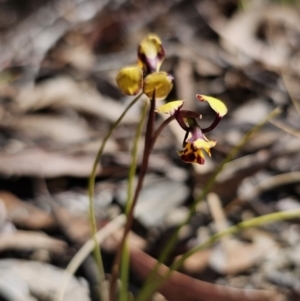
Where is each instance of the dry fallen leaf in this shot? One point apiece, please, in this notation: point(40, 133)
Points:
point(240, 33)
point(237, 257)
point(197, 262)
point(42, 163)
point(21, 213)
point(232, 256)
point(77, 228)
point(43, 280)
point(27, 240)
point(64, 92)
point(54, 128)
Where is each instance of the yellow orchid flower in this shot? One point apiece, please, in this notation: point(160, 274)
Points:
point(145, 75)
point(194, 146)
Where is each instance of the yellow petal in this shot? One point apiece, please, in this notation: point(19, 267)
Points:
point(200, 143)
point(217, 105)
point(170, 107)
point(151, 54)
point(161, 82)
point(130, 80)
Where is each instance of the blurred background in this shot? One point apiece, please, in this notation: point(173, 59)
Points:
point(58, 98)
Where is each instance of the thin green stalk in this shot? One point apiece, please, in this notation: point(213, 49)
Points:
point(132, 170)
point(131, 176)
point(159, 130)
point(251, 223)
point(91, 186)
point(254, 222)
point(150, 284)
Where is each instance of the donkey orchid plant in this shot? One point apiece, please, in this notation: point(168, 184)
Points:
point(145, 78)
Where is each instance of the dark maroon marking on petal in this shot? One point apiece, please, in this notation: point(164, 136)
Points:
point(147, 68)
point(189, 157)
point(200, 160)
point(161, 54)
point(149, 65)
point(193, 148)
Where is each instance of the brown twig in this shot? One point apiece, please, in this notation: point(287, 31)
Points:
point(147, 150)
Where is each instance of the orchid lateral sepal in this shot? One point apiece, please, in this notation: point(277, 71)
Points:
point(173, 108)
point(180, 121)
point(213, 125)
point(180, 115)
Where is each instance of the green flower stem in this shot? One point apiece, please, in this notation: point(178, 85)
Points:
point(251, 223)
point(91, 188)
point(150, 284)
point(159, 130)
point(130, 216)
point(131, 175)
point(254, 222)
